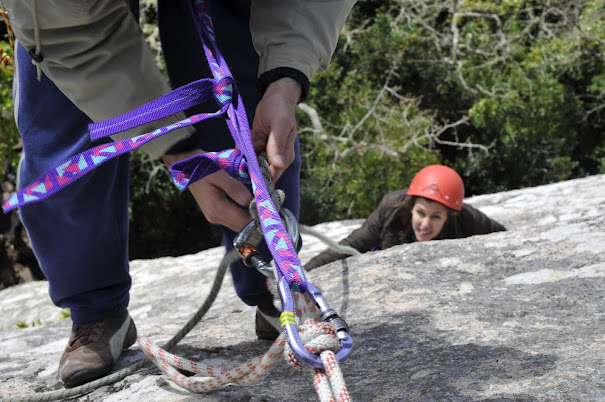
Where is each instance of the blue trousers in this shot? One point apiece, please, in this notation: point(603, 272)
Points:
point(80, 235)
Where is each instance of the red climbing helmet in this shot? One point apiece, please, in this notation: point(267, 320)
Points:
point(439, 183)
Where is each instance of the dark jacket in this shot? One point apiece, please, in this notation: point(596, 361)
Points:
point(390, 225)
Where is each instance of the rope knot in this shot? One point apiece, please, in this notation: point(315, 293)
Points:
point(317, 337)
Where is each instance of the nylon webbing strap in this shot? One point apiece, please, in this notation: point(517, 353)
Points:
point(240, 163)
point(173, 102)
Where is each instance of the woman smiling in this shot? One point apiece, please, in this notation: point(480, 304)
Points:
point(430, 209)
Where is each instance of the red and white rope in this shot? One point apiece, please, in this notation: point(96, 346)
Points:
point(329, 383)
point(318, 337)
point(246, 374)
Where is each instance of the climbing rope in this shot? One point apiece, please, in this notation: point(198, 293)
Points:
point(228, 259)
point(329, 383)
point(319, 344)
point(332, 245)
point(240, 163)
point(317, 336)
point(6, 60)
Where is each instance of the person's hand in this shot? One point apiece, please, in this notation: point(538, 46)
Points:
point(211, 194)
point(274, 126)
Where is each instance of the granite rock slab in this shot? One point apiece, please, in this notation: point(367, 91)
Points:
point(510, 316)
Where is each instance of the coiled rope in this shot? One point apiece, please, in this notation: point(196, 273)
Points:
point(120, 375)
point(317, 336)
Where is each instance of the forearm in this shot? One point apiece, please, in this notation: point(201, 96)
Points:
point(297, 34)
point(476, 222)
point(324, 258)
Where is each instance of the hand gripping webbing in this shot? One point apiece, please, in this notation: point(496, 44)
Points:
point(239, 163)
point(222, 89)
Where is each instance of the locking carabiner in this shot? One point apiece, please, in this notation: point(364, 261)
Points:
point(327, 315)
point(247, 242)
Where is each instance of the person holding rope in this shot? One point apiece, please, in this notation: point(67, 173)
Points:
point(86, 61)
point(431, 208)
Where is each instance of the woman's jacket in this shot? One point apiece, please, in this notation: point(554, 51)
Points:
point(388, 225)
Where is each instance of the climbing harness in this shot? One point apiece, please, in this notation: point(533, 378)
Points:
point(242, 164)
point(6, 60)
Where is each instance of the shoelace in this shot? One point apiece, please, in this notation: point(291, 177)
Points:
point(84, 334)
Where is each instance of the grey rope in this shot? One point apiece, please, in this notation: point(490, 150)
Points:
point(232, 256)
point(340, 248)
point(229, 258)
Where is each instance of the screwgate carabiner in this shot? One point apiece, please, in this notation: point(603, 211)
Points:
point(327, 315)
point(247, 242)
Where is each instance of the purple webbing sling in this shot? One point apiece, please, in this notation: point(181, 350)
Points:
point(240, 163)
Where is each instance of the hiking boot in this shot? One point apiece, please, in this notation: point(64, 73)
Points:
point(94, 348)
point(268, 324)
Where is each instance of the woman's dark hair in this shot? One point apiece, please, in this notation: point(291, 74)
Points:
point(404, 213)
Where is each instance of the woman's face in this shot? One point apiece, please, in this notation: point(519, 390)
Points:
point(428, 218)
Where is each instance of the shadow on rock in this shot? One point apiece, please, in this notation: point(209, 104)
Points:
point(412, 364)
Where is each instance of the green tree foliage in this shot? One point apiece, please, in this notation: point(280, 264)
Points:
point(9, 135)
point(535, 96)
point(509, 93)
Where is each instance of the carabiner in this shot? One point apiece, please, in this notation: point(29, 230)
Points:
point(327, 315)
point(247, 242)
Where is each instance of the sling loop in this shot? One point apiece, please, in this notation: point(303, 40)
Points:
point(223, 89)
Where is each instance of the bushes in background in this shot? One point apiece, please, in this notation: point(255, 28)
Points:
point(510, 93)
